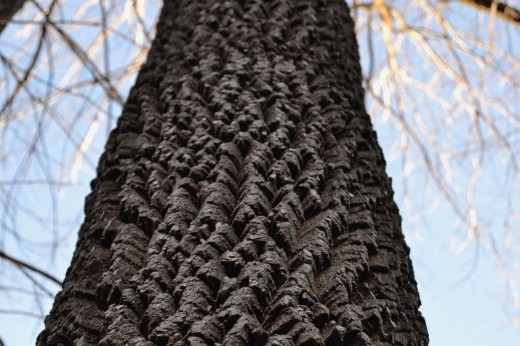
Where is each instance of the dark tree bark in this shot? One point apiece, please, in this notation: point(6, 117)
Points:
point(242, 198)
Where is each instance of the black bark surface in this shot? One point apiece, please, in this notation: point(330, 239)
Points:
point(242, 198)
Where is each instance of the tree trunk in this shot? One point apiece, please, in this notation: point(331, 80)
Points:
point(242, 198)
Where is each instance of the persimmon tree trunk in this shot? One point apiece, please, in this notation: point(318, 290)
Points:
point(242, 198)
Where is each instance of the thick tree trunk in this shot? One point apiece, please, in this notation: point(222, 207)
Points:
point(242, 198)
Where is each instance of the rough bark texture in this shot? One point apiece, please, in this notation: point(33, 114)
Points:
point(243, 197)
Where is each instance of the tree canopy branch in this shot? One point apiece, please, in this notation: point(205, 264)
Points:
point(503, 10)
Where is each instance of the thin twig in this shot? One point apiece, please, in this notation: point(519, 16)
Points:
point(22, 264)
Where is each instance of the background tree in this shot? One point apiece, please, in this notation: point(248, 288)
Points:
point(436, 146)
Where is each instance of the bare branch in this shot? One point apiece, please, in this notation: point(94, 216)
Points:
point(22, 264)
point(503, 10)
point(7, 10)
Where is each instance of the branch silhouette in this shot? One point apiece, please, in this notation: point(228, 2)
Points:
point(24, 265)
point(503, 10)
